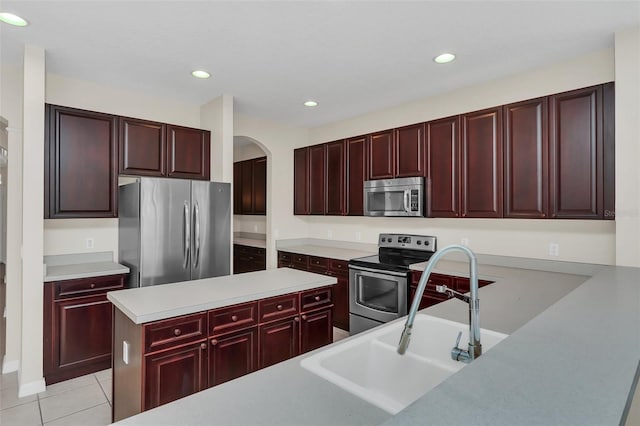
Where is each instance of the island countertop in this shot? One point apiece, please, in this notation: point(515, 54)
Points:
point(159, 302)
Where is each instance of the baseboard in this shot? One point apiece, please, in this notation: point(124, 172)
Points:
point(10, 366)
point(32, 388)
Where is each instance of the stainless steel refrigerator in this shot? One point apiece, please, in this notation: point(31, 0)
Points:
point(174, 230)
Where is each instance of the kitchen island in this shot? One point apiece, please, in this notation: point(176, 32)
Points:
point(570, 359)
point(176, 339)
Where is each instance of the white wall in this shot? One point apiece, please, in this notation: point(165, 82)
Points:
point(64, 236)
point(217, 116)
point(580, 241)
point(277, 141)
point(628, 147)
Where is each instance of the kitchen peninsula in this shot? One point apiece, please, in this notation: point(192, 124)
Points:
point(176, 339)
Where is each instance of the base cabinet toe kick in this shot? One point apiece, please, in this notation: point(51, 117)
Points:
point(158, 362)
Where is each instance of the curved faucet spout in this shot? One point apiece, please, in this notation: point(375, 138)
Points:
point(474, 349)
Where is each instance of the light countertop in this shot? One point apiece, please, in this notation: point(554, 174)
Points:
point(84, 265)
point(159, 302)
point(250, 239)
point(570, 359)
point(332, 249)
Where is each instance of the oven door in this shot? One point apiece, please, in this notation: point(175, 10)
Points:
point(377, 295)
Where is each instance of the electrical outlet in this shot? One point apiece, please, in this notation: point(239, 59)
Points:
point(358, 236)
point(255, 228)
point(554, 249)
point(89, 243)
point(464, 241)
point(330, 234)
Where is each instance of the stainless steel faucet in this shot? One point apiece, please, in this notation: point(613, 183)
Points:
point(474, 348)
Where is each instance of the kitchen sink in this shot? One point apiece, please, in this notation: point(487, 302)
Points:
point(369, 367)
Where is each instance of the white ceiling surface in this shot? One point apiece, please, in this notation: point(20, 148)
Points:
point(352, 57)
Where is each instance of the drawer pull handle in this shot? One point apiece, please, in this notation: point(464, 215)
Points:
point(234, 318)
point(279, 307)
point(203, 346)
point(93, 285)
point(317, 298)
point(177, 332)
point(214, 342)
point(296, 319)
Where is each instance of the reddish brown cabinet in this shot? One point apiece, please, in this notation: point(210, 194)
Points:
point(279, 340)
point(143, 147)
point(357, 172)
point(409, 150)
point(430, 296)
point(381, 155)
point(81, 163)
point(301, 181)
point(576, 154)
point(260, 186)
point(77, 327)
point(250, 186)
point(335, 178)
point(246, 185)
point(188, 152)
point(233, 355)
point(317, 184)
point(443, 166)
point(316, 330)
point(237, 188)
point(526, 152)
point(481, 183)
point(248, 259)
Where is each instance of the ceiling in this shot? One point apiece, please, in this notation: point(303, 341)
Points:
point(352, 57)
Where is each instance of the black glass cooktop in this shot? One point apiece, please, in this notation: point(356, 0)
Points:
point(397, 260)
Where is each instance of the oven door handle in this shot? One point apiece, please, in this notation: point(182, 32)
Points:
point(378, 272)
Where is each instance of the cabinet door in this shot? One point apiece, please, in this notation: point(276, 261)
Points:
point(340, 293)
point(381, 155)
point(260, 185)
point(79, 341)
point(278, 341)
point(357, 173)
point(336, 178)
point(188, 152)
point(301, 181)
point(317, 157)
point(409, 150)
point(82, 163)
point(237, 187)
point(443, 166)
point(316, 330)
point(233, 355)
point(609, 151)
point(142, 147)
point(525, 159)
point(246, 171)
point(174, 373)
point(576, 154)
point(482, 163)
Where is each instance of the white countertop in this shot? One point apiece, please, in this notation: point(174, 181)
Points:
point(570, 359)
point(83, 265)
point(251, 242)
point(340, 253)
point(159, 302)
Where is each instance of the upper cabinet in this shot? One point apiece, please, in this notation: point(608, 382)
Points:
point(188, 153)
point(381, 155)
point(482, 163)
point(443, 166)
point(301, 181)
point(81, 163)
point(335, 177)
point(250, 186)
point(526, 153)
point(317, 173)
point(409, 150)
point(143, 147)
point(356, 173)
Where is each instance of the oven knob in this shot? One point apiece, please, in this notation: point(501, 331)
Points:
point(384, 239)
point(419, 242)
point(426, 243)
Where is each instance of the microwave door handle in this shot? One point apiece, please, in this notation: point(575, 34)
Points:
point(407, 195)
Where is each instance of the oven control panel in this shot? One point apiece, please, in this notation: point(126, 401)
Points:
point(415, 242)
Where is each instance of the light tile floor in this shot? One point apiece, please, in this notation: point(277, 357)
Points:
point(83, 401)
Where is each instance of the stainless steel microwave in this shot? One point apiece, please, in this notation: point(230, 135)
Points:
point(395, 197)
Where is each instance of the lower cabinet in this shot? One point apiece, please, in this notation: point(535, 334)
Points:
point(248, 259)
point(77, 327)
point(176, 357)
point(430, 296)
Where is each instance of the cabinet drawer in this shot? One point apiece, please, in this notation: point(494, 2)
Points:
point(278, 307)
point(173, 332)
point(233, 318)
point(339, 267)
point(87, 286)
point(300, 261)
point(316, 298)
point(318, 264)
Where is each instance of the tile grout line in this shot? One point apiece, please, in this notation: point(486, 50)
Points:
point(102, 389)
point(40, 410)
point(76, 412)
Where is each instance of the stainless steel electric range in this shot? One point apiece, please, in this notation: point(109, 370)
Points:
point(379, 284)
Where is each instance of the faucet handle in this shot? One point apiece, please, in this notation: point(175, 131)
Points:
point(458, 339)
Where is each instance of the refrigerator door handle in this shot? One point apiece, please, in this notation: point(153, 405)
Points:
point(196, 226)
point(186, 233)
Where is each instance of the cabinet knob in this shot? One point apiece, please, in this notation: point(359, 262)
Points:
point(203, 346)
point(279, 307)
point(93, 285)
point(304, 317)
point(214, 342)
point(234, 318)
point(296, 319)
point(177, 332)
point(317, 298)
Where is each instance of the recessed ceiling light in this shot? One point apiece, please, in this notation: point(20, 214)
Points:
point(311, 103)
point(444, 58)
point(200, 74)
point(12, 19)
